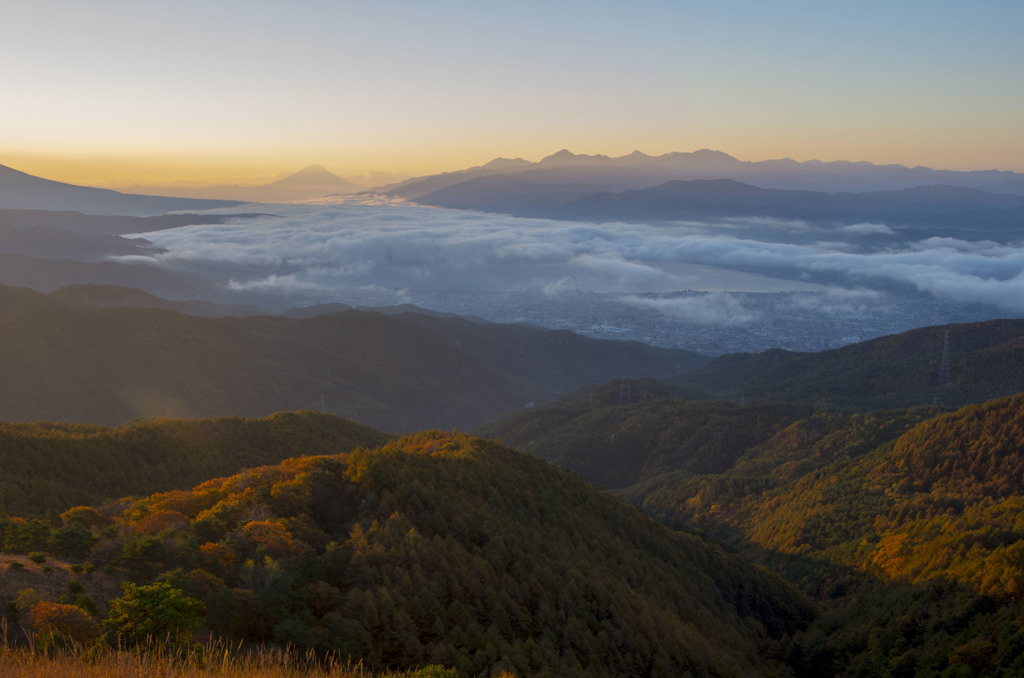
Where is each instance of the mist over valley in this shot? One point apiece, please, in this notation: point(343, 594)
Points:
point(512, 340)
point(296, 358)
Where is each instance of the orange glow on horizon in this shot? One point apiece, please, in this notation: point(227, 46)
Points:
point(126, 170)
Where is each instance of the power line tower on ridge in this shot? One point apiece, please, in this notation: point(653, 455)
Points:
point(625, 397)
point(944, 382)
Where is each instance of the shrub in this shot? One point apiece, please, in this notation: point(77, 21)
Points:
point(59, 625)
point(158, 613)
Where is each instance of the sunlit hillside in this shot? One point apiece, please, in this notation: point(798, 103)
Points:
point(438, 549)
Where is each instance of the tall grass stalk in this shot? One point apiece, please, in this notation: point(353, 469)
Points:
point(225, 662)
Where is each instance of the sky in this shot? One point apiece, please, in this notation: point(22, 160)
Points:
point(116, 92)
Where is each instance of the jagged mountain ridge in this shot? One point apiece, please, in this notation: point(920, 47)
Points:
point(565, 171)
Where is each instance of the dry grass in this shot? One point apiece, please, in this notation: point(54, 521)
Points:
point(217, 661)
point(20, 663)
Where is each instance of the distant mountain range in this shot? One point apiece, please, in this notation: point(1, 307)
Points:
point(711, 185)
point(847, 471)
point(925, 206)
point(21, 191)
point(309, 183)
point(565, 172)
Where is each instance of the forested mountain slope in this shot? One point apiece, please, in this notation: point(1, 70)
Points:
point(613, 443)
point(441, 548)
point(905, 525)
point(51, 467)
point(395, 373)
point(941, 499)
point(983, 361)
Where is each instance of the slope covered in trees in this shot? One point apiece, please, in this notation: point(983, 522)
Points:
point(984, 361)
point(51, 467)
point(905, 525)
point(441, 548)
point(395, 373)
point(615, 443)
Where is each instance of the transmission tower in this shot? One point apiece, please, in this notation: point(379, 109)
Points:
point(945, 380)
point(625, 397)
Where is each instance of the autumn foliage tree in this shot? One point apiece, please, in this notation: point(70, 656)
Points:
point(61, 625)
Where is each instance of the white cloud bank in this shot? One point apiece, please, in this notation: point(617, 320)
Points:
point(316, 249)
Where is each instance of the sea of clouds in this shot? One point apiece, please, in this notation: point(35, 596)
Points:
point(311, 251)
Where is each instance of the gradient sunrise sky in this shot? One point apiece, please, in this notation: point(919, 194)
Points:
point(112, 92)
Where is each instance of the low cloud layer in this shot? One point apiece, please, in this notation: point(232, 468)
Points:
point(716, 308)
point(314, 250)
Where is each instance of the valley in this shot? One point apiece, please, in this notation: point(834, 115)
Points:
point(810, 478)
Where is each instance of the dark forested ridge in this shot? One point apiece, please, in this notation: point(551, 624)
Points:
point(614, 439)
point(51, 467)
point(445, 549)
point(921, 510)
point(983, 361)
point(904, 524)
point(63, 362)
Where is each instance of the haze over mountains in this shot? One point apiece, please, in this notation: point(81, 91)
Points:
point(565, 171)
point(843, 473)
point(309, 183)
point(81, 354)
point(694, 187)
point(678, 264)
point(21, 191)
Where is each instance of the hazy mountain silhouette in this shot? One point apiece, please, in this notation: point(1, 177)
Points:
point(925, 206)
point(84, 237)
point(97, 224)
point(410, 189)
point(109, 364)
point(308, 183)
point(50, 242)
point(21, 191)
point(89, 297)
point(46, 275)
point(557, 193)
point(565, 171)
